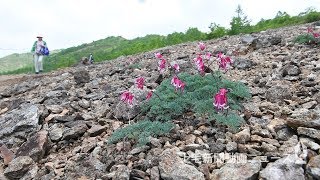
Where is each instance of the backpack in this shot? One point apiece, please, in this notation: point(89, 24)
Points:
point(44, 51)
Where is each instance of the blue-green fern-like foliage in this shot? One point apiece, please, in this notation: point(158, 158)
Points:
point(198, 98)
point(141, 131)
point(307, 39)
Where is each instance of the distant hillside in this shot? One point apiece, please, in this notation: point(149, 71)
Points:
point(100, 49)
point(15, 61)
point(19, 61)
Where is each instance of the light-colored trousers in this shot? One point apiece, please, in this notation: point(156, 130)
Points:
point(38, 66)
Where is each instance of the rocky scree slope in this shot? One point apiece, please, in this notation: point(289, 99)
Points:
point(56, 125)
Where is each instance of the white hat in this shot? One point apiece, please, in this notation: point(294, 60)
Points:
point(39, 36)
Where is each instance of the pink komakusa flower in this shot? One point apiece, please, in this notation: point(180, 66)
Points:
point(158, 55)
point(199, 63)
point(202, 46)
point(140, 82)
point(127, 97)
point(176, 68)
point(310, 30)
point(224, 62)
point(316, 35)
point(162, 65)
point(220, 100)
point(177, 83)
point(208, 55)
point(149, 95)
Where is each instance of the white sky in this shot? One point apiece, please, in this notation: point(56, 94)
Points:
point(67, 23)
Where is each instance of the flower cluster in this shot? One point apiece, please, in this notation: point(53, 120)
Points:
point(224, 61)
point(177, 83)
point(199, 63)
point(220, 101)
point(140, 82)
point(315, 35)
point(162, 64)
point(127, 97)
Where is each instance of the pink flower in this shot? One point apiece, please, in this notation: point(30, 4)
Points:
point(220, 99)
point(208, 55)
point(140, 82)
point(310, 30)
point(177, 83)
point(201, 46)
point(199, 63)
point(158, 55)
point(224, 62)
point(315, 35)
point(149, 95)
point(219, 55)
point(127, 97)
point(176, 68)
point(162, 65)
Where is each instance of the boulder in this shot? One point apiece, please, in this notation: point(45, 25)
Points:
point(235, 171)
point(172, 167)
point(287, 168)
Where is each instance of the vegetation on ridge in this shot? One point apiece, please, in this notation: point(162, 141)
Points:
point(113, 47)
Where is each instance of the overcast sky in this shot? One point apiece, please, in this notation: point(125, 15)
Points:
point(67, 23)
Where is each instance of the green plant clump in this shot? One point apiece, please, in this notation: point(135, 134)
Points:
point(141, 131)
point(306, 39)
point(198, 98)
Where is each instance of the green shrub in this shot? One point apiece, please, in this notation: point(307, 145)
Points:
point(198, 98)
point(141, 131)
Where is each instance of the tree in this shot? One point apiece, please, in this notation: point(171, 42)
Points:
point(216, 31)
point(240, 23)
point(194, 34)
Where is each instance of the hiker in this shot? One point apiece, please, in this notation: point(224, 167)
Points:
point(37, 54)
point(91, 58)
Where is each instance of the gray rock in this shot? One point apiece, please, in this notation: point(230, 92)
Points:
point(216, 147)
point(242, 136)
point(122, 173)
point(286, 168)
point(6, 154)
point(56, 132)
point(172, 167)
point(295, 123)
point(20, 122)
point(231, 146)
point(154, 173)
point(35, 147)
point(290, 70)
point(313, 167)
point(310, 143)
point(96, 130)
point(84, 103)
point(247, 39)
point(310, 132)
point(275, 40)
point(237, 171)
point(278, 93)
point(18, 167)
point(75, 132)
point(81, 76)
point(243, 64)
point(285, 133)
point(138, 150)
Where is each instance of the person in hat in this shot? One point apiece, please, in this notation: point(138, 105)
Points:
point(36, 50)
